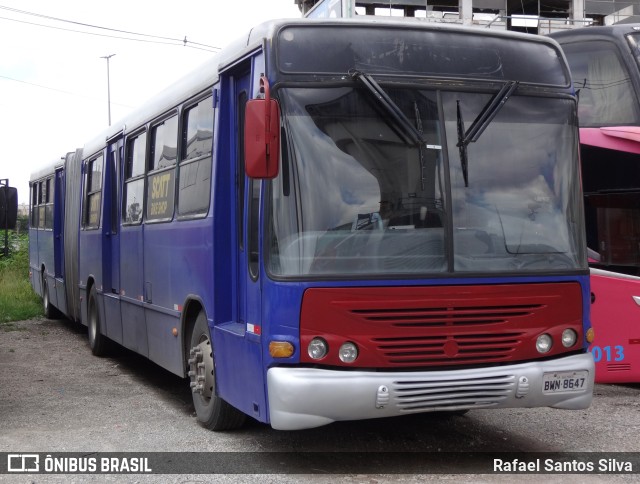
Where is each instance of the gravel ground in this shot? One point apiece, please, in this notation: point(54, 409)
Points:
point(55, 396)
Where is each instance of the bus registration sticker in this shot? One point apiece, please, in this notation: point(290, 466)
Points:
point(564, 381)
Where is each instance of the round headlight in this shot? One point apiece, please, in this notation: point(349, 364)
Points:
point(544, 343)
point(348, 352)
point(569, 338)
point(317, 348)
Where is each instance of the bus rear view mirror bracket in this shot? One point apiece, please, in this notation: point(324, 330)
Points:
point(262, 135)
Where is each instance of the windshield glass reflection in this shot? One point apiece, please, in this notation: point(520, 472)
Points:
point(521, 205)
point(355, 197)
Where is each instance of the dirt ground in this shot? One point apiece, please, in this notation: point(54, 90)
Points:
point(55, 396)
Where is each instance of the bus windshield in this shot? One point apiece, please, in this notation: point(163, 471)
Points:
point(605, 90)
point(357, 196)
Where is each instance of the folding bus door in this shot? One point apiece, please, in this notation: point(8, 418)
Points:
point(239, 369)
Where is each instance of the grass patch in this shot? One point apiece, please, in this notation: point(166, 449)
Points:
point(17, 299)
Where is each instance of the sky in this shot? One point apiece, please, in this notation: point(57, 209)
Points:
point(53, 80)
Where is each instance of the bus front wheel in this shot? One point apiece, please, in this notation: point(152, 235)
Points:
point(97, 341)
point(212, 411)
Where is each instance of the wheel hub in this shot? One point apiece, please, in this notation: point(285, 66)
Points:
point(201, 369)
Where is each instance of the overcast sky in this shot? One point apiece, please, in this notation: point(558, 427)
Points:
point(53, 82)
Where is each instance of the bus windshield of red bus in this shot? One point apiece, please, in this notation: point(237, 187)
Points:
point(357, 196)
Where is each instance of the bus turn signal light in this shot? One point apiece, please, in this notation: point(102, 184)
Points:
point(590, 335)
point(281, 349)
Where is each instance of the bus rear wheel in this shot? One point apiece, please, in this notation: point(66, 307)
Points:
point(97, 341)
point(212, 411)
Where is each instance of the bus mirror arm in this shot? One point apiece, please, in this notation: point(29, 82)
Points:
point(262, 135)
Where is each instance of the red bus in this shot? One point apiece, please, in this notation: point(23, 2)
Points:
point(337, 220)
point(604, 65)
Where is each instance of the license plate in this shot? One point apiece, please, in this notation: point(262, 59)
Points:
point(564, 381)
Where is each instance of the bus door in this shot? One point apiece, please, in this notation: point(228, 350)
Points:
point(134, 327)
point(111, 240)
point(58, 240)
point(58, 222)
point(239, 374)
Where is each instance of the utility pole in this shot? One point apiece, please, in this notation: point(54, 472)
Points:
point(108, 86)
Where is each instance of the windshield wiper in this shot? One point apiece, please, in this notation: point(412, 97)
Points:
point(406, 130)
point(489, 111)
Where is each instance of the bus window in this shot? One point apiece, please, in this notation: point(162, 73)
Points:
point(195, 167)
point(254, 228)
point(164, 144)
point(34, 205)
point(42, 195)
point(48, 209)
point(602, 83)
point(133, 195)
point(93, 193)
point(164, 150)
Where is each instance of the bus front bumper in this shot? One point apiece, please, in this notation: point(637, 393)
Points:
point(301, 398)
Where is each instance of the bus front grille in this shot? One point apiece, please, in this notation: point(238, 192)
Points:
point(419, 396)
point(436, 326)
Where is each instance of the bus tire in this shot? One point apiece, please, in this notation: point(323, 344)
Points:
point(97, 341)
point(212, 411)
point(50, 312)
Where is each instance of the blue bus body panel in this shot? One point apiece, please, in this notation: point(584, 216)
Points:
point(34, 261)
point(177, 265)
point(240, 378)
point(134, 328)
point(46, 262)
point(90, 256)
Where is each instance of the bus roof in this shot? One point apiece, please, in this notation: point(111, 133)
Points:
point(207, 74)
point(47, 169)
point(596, 32)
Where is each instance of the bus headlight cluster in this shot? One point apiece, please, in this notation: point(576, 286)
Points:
point(318, 349)
point(545, 341)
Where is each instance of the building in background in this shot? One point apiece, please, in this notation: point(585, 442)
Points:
point(532, 16)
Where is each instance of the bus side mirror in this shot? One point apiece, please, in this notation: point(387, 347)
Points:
point(262, 136)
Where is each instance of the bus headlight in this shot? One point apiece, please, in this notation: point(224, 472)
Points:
point(544, 343)
point(569, 338)
point(317, 348)
point(348, 352)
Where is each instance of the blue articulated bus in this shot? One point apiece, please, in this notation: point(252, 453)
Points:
point(336, 220)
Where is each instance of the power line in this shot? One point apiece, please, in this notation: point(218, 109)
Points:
point(57, 90)
point(172, 41)
point(101, 35)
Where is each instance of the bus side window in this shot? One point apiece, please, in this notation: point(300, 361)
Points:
point(93, 190)
point(133, 196)
point(254, 228)
point(48, 210)
point(194, 189)
point(34, 206)
point(42, 196)
point(162, 176)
